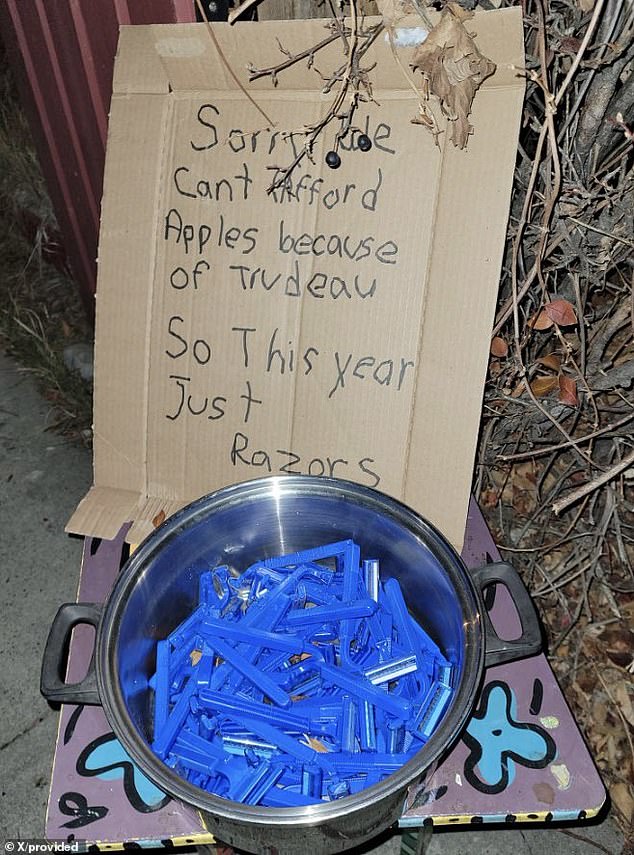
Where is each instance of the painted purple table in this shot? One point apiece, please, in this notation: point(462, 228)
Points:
point(521, 757)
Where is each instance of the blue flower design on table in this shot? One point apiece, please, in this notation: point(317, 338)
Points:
point(106, 758)
point(497, 741)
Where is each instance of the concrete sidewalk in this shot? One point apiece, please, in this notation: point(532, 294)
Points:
point(41, 480)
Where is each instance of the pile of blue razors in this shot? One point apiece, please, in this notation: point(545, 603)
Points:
point(302, 679)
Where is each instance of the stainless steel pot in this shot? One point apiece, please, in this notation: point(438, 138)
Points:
point(158, 588)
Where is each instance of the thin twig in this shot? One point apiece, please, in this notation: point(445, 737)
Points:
point(618, 710)
point(270, 123)
point(351, 79)
point(539, 452)
point(547, 547)
point(240, 10)
point(586, 840)
point(596, 14)
point(590, 228)
point(594, 484)
point(507, 309)
point(256, 73)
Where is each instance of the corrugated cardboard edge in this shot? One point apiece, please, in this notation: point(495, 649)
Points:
point(451, 380)
point(464, 217)
point(106, 508)
point(128, 223)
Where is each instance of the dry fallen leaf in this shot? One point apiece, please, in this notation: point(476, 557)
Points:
point(561, 312)
point(540, 321)
point(195, 656)
point(619, 644)
point(622, 698)
point(159, 519)
point(543, 385)
point(523, 503)
point(568, 391)
point(551, 360)
point(489, 498)
point(393, 11)
point(453, 69)
point(523, 476)
point(315, 744)
point(599, 714)
point(495, 369)
point(569, 45)
point(612, 751)
point(499, 347)
point(621, 796)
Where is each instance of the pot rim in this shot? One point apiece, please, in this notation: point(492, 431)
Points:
point(443, 738)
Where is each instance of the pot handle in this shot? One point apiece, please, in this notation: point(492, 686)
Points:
point(498, 650)
point(52, 686)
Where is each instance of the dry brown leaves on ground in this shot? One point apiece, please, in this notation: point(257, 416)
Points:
point(453, 70)
point(555, 475)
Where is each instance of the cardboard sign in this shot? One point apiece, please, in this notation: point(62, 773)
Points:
point(338, 325)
